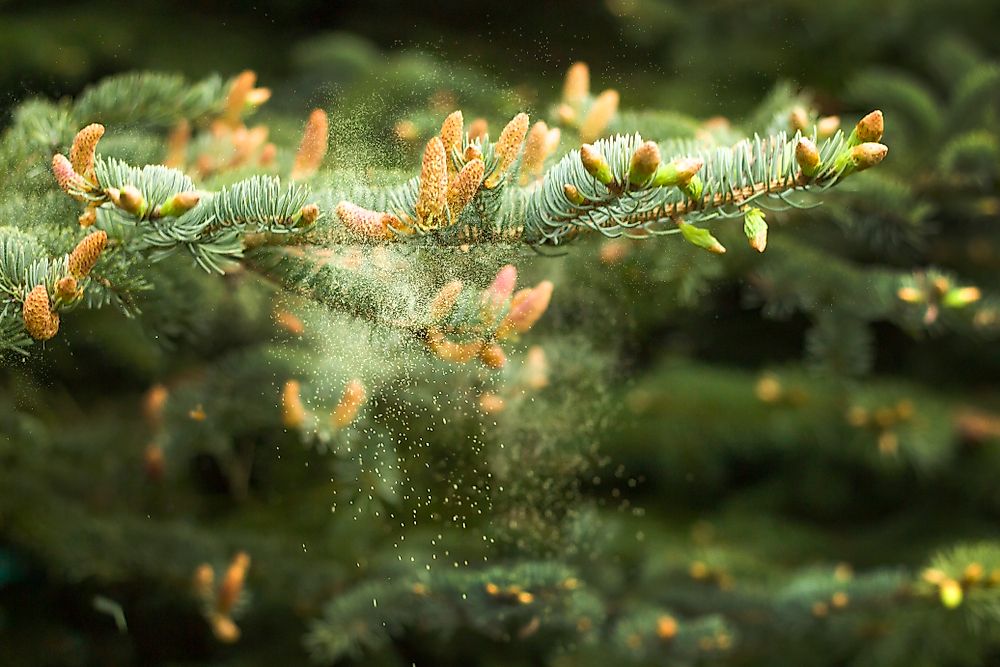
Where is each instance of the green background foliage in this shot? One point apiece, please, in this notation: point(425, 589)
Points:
point(770, 450)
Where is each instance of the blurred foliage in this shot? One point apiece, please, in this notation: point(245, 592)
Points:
point(787, 458)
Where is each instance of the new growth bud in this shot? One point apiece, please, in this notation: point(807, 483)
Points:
point(237, 97)
point(88, 217)
point(827, 126)
point(799, 119)
point(478, 129)
point(130, 200)
point(701, 238)
point(644, 164)
point(960, 297)
point(950, 593)
point(179, 204)
point(450, 351)
point(308, 214)
point(694, 188)
point(232, 583)
point(869, 129)
point(679, 172)
point(595, 164)
point(573, 194)
point(866, 155)
point(473, 152)
point(496, 295)
point(755, 228)
point(807, 155)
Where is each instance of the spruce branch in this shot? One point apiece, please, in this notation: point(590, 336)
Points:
point(470, 190)
point(621, 186)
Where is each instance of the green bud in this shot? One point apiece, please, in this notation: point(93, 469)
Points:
point(960, 297)
point(179, 204)
point(694, 188)
point(573, 194)
point(131, 201)
point(798, 119)
point(807, 155)
point(950, 592)
point(701, 238)
point(755, 228)
point(869, 129)
point(677, 172)
point(595, 164)
point(868, 155)
point(645, 162)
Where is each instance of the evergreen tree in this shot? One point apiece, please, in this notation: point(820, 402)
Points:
point(391, 383)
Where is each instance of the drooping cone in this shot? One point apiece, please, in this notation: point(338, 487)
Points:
point(86, 253)
point(41, 322)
